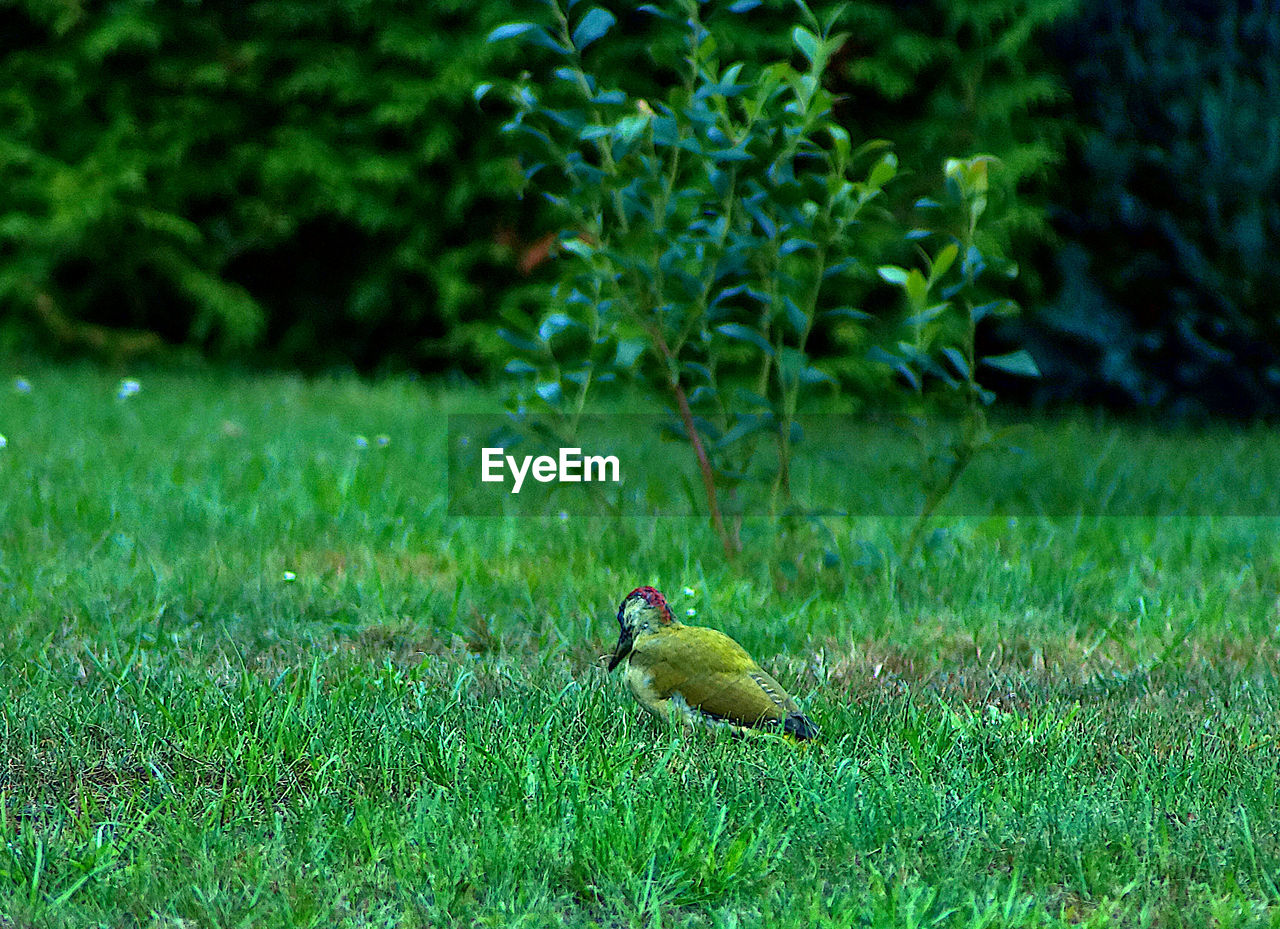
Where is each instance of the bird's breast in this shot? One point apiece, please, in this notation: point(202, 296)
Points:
point(640, 682)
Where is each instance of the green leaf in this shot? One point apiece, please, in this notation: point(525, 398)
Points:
point(736, 154)
point(746, 334)
point(510, 31)
point(791, 361)
point(548, 391)
point(532, 33)
point(577, 246)
point(807, 42)
point(898, 364)
point(700, 371)
point(795, 316)
point(812, 375)
point(536, 34)
point(917, 288)
point(751, 399)
point(847, 312)
point(592, 26)
point(927, 315)
point(743, 427)
point(554, 324)
point(994, 308)
point(654, 10)
point(840, 141)
point(518, 341)
point(630, 128)
point(884, 171)
point(958, 361)
point(893, 274)
point(628, 351)
point(974, 263)
point(1020, 363)
point(943, 261)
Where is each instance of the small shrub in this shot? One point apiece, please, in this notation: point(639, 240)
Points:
point(707, 235)
point(939, 341)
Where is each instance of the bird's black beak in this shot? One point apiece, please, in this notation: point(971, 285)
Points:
point(623, 648)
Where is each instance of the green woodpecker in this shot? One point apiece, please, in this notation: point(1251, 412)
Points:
point(698, 675)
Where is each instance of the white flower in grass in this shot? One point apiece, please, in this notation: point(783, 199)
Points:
point(3, 441)
point(689, 591)
point(22, 385)
point(691, 612)
point(288, 576)
point(361, 442)
point(128, 387)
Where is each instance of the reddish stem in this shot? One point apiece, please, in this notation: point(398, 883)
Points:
point(704, 463)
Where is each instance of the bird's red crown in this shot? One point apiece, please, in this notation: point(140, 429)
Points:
point(653, 597)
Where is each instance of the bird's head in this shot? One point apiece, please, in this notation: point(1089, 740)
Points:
point(642, 610)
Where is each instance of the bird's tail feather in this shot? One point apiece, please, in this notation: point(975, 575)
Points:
point(800, 726)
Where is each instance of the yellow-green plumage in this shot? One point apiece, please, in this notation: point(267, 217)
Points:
point(706, 671)
point(698, 674)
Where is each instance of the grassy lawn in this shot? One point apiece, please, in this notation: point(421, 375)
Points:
point(253, 674)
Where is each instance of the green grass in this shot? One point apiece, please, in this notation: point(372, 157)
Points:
point(253, 675)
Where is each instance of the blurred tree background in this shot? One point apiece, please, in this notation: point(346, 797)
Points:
point(306, 182)
point(313, 185)
point(1169, 209)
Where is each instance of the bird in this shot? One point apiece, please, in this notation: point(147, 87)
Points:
point(699, 675)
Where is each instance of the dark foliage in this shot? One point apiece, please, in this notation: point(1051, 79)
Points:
point(304, 179)
point(1172, 201)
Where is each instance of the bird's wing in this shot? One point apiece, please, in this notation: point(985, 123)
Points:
point(775, 691)
point(713, 674)
point(734, 698)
